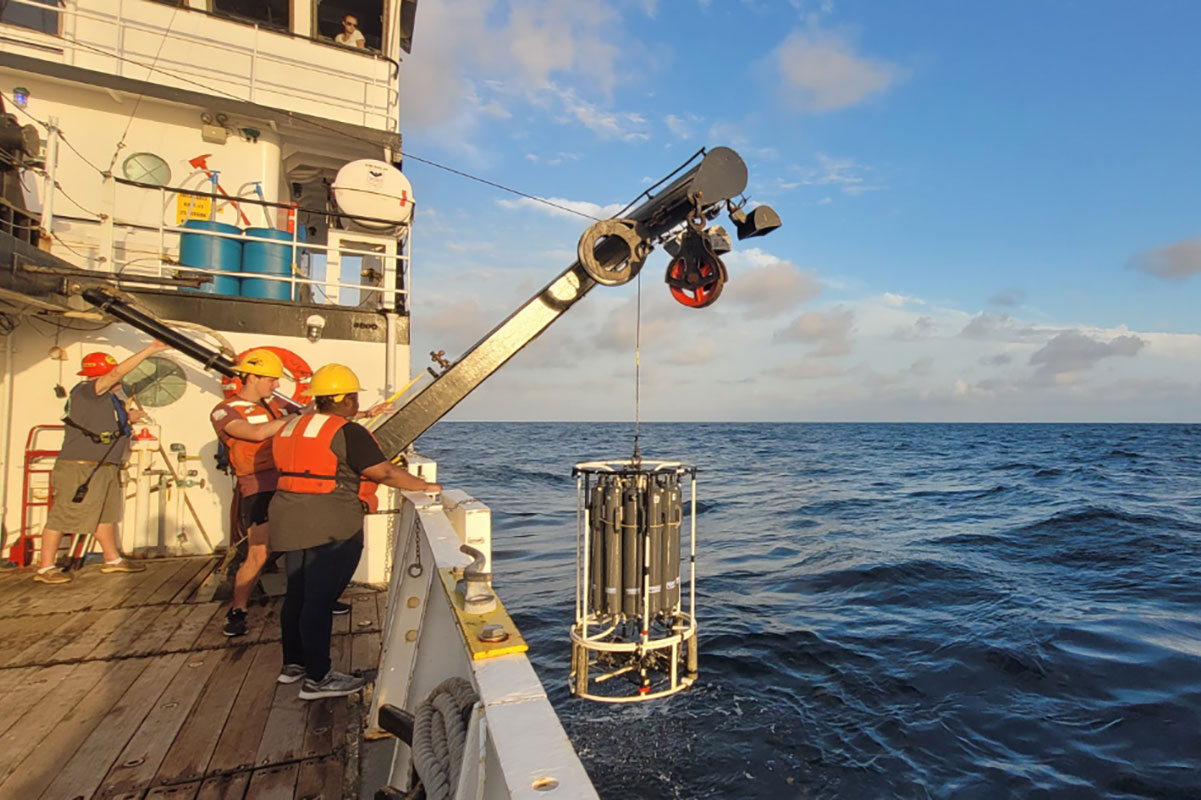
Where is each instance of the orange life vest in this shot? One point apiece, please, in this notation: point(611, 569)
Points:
point(306, 462)
point(246, 457)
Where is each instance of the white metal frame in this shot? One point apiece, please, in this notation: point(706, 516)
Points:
point(683, 623)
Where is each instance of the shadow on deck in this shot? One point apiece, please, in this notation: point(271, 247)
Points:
point(123, 686)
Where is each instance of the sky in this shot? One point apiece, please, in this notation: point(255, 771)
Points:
point(990, 210)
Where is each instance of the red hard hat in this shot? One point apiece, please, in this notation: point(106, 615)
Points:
point(97, 364)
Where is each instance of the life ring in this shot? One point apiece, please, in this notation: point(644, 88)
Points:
point(295, 368)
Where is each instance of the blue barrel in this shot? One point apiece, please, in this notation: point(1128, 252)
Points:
point(200, 251)
point(267, 258)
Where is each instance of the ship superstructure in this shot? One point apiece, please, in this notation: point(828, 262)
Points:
point(232, 170)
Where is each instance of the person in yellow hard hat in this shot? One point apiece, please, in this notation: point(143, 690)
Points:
point(85, 489)
point(245, 424)
point(329, 468)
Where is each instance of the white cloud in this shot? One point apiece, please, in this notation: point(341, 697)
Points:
point(681, 127)
point(766, 286)
point(1008, 297)
point(807, 369)
point(847, 175)
point(822, 72)
point(702, 352)
point(922, 328)
point(826, 329)
point(593, 210)
point(624, 126)
point(523, 48)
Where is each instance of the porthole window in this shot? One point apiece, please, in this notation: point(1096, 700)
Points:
point(156, 382)
point(147, 168)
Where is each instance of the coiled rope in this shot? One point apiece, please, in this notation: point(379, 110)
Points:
point(439, 735)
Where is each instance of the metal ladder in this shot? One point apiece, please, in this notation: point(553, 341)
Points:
point(35, 494)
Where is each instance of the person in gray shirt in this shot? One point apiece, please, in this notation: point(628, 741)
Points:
point(85, 489)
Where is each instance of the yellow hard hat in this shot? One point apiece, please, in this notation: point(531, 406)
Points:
point(261, 361)
point(334, 380)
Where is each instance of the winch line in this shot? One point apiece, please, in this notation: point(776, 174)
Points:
point(138, 102)
point(636, 459)
point(333, 130)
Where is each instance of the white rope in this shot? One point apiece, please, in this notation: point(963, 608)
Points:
point(439, 735)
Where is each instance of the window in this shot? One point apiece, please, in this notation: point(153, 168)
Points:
point(29, 14)
point(349, 21)
point(156, 382)
point(269, 13)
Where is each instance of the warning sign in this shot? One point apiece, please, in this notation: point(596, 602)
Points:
point(189, 207)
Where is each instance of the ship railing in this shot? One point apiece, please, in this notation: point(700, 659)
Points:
point(393, 250)
point(251, 85)
point(515, 744)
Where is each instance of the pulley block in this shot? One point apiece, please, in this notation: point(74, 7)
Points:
point(696, 275)
point(629, 236)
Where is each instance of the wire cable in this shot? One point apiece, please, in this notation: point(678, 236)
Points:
point(637, 457)
point(138, 102)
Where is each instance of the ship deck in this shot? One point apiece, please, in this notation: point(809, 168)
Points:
point(123, 686)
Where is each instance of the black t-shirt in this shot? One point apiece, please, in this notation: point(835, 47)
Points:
point(362, 451)
point(300, 521)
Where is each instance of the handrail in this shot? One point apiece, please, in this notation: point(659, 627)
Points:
point(255, 201)
point(118, 20)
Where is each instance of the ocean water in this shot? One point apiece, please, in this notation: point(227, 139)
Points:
point(886, 610)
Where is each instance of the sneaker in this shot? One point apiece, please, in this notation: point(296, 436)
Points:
point(334, 684)
point(54, 575)
point(341, 608)
point(290, 673)
point(235, 622)
point(124, 565)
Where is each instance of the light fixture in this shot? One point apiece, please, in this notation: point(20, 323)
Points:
point(761, 221)
point(314, 325)
point(20, 96)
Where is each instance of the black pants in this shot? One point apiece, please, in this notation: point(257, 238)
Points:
point(316, 577)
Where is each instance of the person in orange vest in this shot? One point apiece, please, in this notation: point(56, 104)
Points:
point(329, 468)
point(245, 424)
point(85, 487)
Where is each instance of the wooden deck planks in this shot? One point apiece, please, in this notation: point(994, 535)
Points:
point(47, 648)
point(239, 742)
point(138, 762)
point(187, 592)
point(196, 617)
point(137, 694)
point(79, 776)
point(326, 720)
point(120, 641)
point(189, 755)
point(283, 735)
point(87, 642)
point(158, 572)
point(27, 634)
point(320, 778)
point(273, 783)
point(61, 695)
point(364, 613)
point(171, 587)
point(28, 688)
point(224, 787)
point(88, 702)
point(364, 653)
